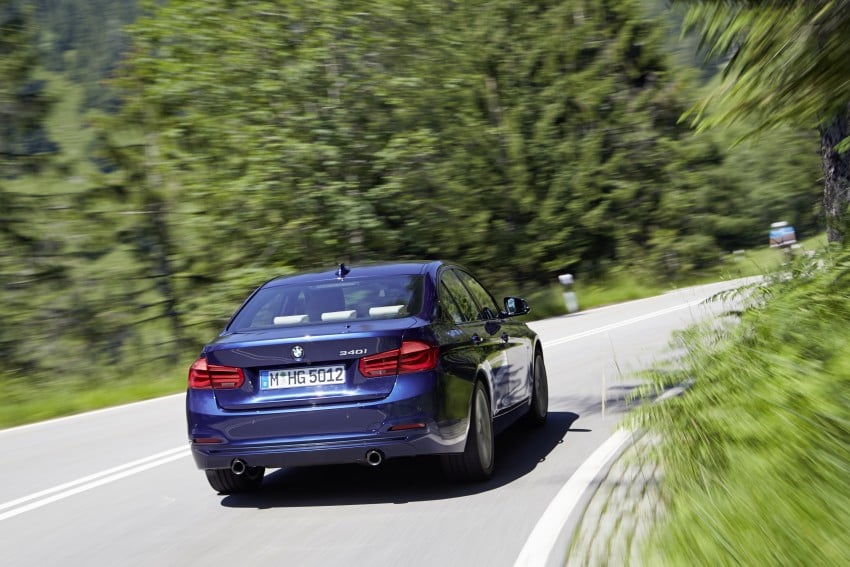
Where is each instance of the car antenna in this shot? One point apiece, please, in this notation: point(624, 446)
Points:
point(342, 271)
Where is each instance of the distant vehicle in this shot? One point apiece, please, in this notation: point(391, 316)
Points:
point(364, 364)
point(782, 234)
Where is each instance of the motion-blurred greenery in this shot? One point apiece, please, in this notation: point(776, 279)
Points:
point(755, 455)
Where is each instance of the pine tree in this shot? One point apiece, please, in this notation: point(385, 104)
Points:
point(26, 261)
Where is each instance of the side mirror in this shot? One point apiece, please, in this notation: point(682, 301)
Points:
point(515, 306)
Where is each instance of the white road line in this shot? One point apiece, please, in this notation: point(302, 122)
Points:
point(545, 535)
point(62, 491)
point(617, 325)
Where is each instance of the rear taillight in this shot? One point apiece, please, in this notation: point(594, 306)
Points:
point(412, 356)
point(204, 376)
point(382, 364)
point(417, 357)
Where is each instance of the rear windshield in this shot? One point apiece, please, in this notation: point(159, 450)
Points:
point(355, 299)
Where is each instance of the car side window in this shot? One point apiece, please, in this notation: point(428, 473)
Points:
point(456, 300)
point(487, 308)
point(450, 308)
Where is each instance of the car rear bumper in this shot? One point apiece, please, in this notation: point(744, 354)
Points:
point(327, 452)
point(413, 420)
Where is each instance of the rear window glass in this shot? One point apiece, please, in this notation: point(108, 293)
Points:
point(355, 299)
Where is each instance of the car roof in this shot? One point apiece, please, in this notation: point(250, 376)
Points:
point(406, 268)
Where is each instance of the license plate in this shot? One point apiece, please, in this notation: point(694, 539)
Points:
point(301, 377)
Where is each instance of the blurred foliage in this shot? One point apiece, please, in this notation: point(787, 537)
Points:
point(23, 100)
point(25, 263)
point(559, 153)
point(252, 139)
point(788, 63)
point(85, 39)
point(755, 454)
point(787, 60)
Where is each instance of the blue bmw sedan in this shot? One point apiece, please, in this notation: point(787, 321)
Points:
point(363, 364)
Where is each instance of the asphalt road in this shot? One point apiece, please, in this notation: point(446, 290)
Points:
point(118, 487)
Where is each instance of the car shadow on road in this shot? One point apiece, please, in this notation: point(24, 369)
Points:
point(518, 451)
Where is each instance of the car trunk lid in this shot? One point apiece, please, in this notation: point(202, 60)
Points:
point(311, 365)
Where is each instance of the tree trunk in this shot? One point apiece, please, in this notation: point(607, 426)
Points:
point(161, 252)
point(836, 175)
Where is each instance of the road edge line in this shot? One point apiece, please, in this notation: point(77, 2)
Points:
point(549, 528)
point(546, 532)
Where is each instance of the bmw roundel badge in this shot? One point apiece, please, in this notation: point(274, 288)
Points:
point(297, 352)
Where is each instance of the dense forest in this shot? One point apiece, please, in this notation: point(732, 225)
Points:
point(160, 159)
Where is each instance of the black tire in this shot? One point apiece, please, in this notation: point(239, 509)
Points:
point(224, 481)
point(539, 410)
point(477, 461)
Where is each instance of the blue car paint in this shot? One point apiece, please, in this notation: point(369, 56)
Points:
point(299, 428)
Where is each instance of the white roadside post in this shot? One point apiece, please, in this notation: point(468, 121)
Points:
point(570, 299)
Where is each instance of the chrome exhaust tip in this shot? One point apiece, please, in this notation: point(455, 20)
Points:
point(374, 457)
point(238, 467)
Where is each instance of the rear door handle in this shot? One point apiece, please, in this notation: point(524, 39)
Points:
point(476, 340)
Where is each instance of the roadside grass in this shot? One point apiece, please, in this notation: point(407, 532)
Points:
point(23, 402)
point(755, 455)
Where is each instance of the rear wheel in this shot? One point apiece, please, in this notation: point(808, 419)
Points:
point(539, 409)
point(226, 481)
point(477, 460)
